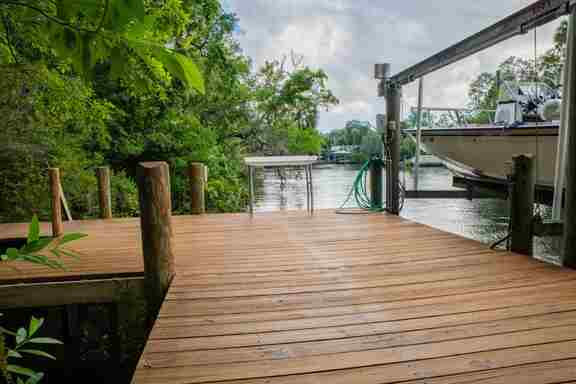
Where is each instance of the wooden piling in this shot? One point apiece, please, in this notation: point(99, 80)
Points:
point(393, 99)
point(56, 205)
point(104, 197)
point(197, 180)
point(156, 227)
point(376, 183)
point(569, 240)
point(522, 204)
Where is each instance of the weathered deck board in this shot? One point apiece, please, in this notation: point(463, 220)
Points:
point(286, 298)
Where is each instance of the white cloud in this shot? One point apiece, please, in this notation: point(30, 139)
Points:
point(346, 38)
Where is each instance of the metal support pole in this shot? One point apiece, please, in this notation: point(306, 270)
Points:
point(560, 170)
point(569, 246)
point(251, 188)
point(393, 97)
point(418, 132)
point(522, 204)
point(311, 189)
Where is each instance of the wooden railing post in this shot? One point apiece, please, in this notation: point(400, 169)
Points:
point(197, 180)
point(522, 204)
point(156, 227)
point(56, 205)
point(104, 197)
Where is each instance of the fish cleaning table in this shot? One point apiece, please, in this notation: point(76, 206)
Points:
point(305, 162)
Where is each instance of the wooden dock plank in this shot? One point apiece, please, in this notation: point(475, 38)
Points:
point(286, 298)
point(292, 299)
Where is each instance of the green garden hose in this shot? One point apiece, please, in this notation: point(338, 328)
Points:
point(359, 190)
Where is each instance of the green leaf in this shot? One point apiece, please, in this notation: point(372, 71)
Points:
point(21, 335)
point(36, 245)
point(193, 76)
point(35, 324)
point(33, 230)
point(21, 370)
point(4, 330)
point(56, 252)
point(71, 237)
point(38, 353)
point(117, 61)
point(44, 340)
point(69, 253)
point(12, 254)
point(12, 353)
point(180, 67)
point(122, 12)
point(36, 379)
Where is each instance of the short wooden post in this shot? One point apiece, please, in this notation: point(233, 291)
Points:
point(376, 182)
point(156, 226)
point(197, 179)
point(56, 198)
point(522, 204)
point(104, 198)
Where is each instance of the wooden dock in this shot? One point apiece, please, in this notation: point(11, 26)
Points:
point(285, 298)
point(341, 299)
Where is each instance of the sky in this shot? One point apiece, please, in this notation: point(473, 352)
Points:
point(346, 38)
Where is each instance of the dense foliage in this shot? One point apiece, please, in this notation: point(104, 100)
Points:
point(364, 140)
point(87, 83)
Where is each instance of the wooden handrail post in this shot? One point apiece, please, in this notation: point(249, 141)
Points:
point(156, 227)
point(56, 205)
point(197, 179)
point(104, 197)
point(522, 204)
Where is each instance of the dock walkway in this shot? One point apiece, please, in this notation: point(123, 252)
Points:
point(342, 299)
point(285, 298)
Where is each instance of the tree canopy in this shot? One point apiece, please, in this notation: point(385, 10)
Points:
point(87, 83)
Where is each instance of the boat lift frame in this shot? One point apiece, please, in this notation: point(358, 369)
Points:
point(535, 15)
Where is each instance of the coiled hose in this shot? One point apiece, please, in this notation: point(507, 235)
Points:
point(359, 190)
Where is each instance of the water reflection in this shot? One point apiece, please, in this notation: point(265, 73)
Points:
point(485, 220)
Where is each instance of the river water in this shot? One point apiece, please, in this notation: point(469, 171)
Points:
point(485, 220)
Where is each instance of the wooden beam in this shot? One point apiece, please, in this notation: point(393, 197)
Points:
point(63, 293)
point(197, 180)
point(392, 140)
point(156, 227)
point(522, 204)
point(56, 197)
point(104, 196)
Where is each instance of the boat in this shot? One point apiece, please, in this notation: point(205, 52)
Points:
point(527, 120)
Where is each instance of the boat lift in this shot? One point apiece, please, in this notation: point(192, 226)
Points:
point(535, 15)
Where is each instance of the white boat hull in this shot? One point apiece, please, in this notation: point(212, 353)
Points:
point(487, 152)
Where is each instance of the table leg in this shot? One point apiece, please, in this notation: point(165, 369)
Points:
point(311, 189)
point(251, 188)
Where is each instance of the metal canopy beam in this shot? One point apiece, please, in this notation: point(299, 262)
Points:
point(535, 15)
